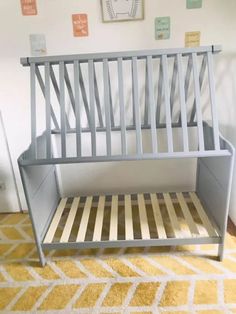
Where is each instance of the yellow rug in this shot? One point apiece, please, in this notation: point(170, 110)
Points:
point(140, 280)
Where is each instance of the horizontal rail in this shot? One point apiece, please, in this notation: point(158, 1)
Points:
point(132, 243)
point(112, 56)
point(151, 156)
point(128, 128)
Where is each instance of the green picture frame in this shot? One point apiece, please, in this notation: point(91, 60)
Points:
point(193, 4)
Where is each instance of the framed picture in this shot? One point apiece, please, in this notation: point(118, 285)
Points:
point(122, 10)
point(80, 25)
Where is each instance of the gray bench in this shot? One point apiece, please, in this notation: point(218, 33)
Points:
point(153, 105)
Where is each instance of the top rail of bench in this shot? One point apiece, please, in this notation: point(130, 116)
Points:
point(121, 54)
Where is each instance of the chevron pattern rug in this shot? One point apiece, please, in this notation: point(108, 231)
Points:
point(136, 280)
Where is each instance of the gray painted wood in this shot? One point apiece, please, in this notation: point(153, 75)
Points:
point(128, 128)
point(198, 103)
point(63, 110)
point(110, 98)
point(107, 105)
point(159, 95)
point(147, 96)
point(144, 156)
point(132, 243)
point(167, 104)
point(84, 96)
point(201, 77)
point(48, 110)
point(139, 146)
point(126, 55)
point(42, 200)
point(173, 85)
point(42, 87)
point(215, 122)
point(97, 98)
point(182, 103)
point(163, 104)
point(122, 107)
point(151, 103)
point(77, 108)
point(57, 92)
point(215, 154)
point(214, 184)
point(33, 112)
point(69, 88)
point(92, 107)
point(133, 97)
point(188, 74)
point(187, 80)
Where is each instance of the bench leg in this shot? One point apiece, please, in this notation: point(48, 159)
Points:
point(42, 258)
point(221, 251)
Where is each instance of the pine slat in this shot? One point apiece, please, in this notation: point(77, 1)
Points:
point(114, 219)
point(99, 219)
point(187, 215)
point(203, 216)
point(129, 233)
point(108, 203)
point(143, 217)
point(55, 221)
point(193, 229)
point(172, 215)
point(157, 216)
point(84, 219)
point(70, 220)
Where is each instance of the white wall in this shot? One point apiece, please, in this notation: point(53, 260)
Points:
point(216, 21)
point(8, 189)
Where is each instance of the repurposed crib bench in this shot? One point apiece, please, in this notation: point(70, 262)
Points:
point(154, 104)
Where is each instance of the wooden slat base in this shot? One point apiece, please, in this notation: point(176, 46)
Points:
point(130, 217)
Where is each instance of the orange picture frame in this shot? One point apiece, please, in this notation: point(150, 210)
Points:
point(80, 25)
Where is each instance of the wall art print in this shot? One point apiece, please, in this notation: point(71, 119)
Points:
point(122, 10)
point(80, 25)
point(29, 7)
